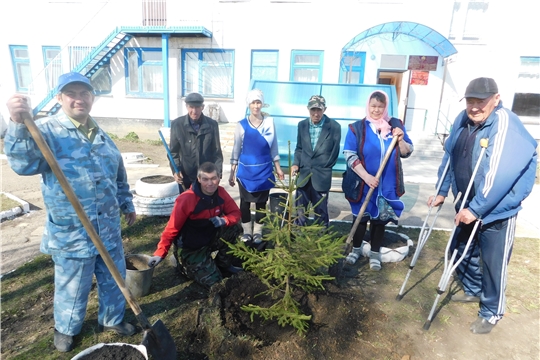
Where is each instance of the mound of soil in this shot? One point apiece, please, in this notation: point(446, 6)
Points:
point(157, 179)
point(343, 325)
point(338, 315)
point(114, 352)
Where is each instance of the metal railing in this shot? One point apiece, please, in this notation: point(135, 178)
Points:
point(143, 13)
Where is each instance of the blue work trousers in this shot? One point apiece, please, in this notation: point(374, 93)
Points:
point(72, 285)
point(484, 269)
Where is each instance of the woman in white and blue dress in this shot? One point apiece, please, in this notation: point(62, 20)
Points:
point(253, 158)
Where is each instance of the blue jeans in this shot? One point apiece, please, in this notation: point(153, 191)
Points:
point(72, 285)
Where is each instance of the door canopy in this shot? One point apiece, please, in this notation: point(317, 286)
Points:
point(419, 31)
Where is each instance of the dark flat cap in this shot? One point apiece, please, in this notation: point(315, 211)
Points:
point(194, 99)
point(481, 88)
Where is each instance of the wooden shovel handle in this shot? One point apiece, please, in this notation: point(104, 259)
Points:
point(68, 190)
point(370, 192)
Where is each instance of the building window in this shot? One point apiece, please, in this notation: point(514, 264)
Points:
point(527, 95)
point(264, 64)
point(306, 66)
point(352, 67)
point(102, 81)
point(21, 66)
point(53, 65)
point(468, 20)
point(144, 74)
point(208, 72)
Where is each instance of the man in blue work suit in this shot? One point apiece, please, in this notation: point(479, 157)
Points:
point(505, 177)
point(94, 168)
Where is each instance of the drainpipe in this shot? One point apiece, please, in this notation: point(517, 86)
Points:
point(445, 64)
point(166, 93)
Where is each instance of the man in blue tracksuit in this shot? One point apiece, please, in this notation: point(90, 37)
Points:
point(505, 177)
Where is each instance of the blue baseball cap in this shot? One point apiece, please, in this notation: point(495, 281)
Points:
point(70, 78)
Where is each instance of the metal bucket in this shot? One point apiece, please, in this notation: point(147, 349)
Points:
point(277, 202)
point(138, 274)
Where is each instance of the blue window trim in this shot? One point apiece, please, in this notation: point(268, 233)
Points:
point(319, 53)
point(359, 69)
point(50, 77)
point(15, 61)
point(200, 86)
point(140, 64)
point(46, 60)
point(264, 51)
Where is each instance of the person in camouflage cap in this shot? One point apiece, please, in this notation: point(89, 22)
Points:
point(94, 168)
point(194, 228)
point(316, 153)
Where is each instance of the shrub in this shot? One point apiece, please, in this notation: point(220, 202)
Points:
point(133, 137)
point(295, 257)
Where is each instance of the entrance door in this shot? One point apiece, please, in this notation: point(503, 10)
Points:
point(401, 81)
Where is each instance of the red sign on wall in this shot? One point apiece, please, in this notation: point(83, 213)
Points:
point(419, 77)
point(425, 63)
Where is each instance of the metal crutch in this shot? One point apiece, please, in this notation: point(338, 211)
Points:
point(448, 270)
point(424, 234)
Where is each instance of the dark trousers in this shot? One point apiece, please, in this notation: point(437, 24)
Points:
point(484, 269)
point(376, 234)
point(307, 194)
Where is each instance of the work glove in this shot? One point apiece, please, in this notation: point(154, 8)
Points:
point(154, 261)
point(218, 221)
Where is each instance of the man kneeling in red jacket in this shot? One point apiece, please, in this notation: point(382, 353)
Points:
point(194, 226)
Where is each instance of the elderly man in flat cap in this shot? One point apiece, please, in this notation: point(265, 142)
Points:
point(505, 177)
point(194, 141)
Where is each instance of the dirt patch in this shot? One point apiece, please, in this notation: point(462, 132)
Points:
point(341, 322)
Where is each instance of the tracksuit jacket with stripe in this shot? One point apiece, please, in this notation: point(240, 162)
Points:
point(507, 172)
point(505, 177)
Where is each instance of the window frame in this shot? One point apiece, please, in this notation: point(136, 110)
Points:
point(276, 66)
point(526, 102)
point(17, 60)
point(106, 67)
point(462, 18)
point(51, 78)
point(199, 88)
point(355, 68)
point(140, 65)
point(319, 53)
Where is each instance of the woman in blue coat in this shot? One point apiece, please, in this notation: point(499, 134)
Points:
point(366, 143)
point(253, 158)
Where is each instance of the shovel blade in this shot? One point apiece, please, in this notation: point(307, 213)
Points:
point(159, 342)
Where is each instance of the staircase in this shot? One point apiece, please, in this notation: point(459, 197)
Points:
point(95, 60)
point(424, 162)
